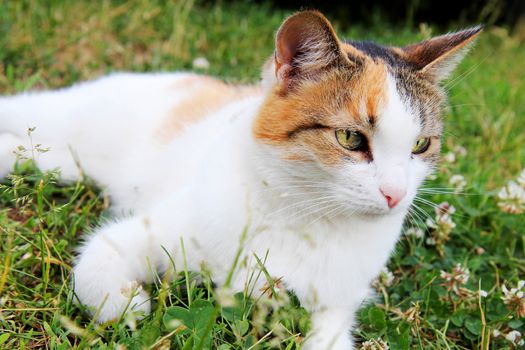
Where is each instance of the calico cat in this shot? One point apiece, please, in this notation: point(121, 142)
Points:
point(317, 165)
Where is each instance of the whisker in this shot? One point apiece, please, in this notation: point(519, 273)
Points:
point(306, 211)
point(298, 204)
point(312, 203)
point(448, 86)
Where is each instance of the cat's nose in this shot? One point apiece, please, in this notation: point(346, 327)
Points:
point(393, 194)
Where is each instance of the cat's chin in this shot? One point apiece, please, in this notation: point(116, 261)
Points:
point(377, 212)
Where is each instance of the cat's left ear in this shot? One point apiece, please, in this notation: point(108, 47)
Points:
point(305, 46)
point(437, 57)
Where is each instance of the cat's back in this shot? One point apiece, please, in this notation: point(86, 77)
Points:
point(128, 131)
point(199, 97)
point(183, 117)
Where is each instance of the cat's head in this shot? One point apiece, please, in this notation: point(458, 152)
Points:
point(354, 125)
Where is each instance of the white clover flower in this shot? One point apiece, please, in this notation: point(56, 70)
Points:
point(201, 63)
point(442, 225)
point(514, 298)
point(511, 198)
point(460, 150)
point(445, 208)
point(225, 297)
point(385, 278)
point(415, 231)
point(456, 278)
point(450, 157)
point(521, 179)
point(463, 274)
point(480, 250)
point(458, 182)
point(131, 289)
point(430, 241)
point(430, 223)
point(375, 344)
point(515, 338)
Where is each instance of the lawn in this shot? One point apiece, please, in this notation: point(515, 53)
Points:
point(453, 281)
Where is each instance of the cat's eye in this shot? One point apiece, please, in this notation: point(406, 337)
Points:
point(351, 140)
point(421, 145)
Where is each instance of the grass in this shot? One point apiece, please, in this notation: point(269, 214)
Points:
point(425, 299)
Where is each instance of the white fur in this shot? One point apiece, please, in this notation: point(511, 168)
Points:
point(327, 232)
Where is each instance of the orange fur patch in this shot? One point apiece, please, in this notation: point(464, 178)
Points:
point(372, 88)
point(205, 95)
point(316, 108)
point(353, 52)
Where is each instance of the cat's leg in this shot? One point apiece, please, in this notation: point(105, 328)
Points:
point(90, 128)
point(111, 267)
point(33, 122)
point(330, 330)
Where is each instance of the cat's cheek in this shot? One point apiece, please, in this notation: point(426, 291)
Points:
point(419, 170)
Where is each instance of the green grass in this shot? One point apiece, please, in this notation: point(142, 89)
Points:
point(41, 222)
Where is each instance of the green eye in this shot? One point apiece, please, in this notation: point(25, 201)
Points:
point(351, 140)
point(421, 145)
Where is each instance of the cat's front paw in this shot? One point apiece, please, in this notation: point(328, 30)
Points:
point(107, 282)
point(321, 342)
point(109, 302)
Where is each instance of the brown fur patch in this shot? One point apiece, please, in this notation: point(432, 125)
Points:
point(431, 55)
point(205, 95)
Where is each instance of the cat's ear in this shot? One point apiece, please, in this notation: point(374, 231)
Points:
point(437, 57)
point(305, 45)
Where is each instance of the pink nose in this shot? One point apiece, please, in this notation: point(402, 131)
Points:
point(393, 195)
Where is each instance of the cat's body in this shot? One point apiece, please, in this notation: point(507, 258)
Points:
point(201, 162)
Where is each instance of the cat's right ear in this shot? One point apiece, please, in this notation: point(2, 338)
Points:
point(305, 46)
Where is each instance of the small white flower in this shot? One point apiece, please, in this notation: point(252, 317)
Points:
point(131, 289)
point(521, 179)
point(430, 241)
point(480, 250)
point(483, 293)
point(460, 150)
point(458, 182)
point(457, 277)
point(450, 157)
point(375, 344)
point(225, 297)
point(496, 333)
point(385, 278)
point(415, 231)
point(512, 198)
point(514, 298)
point(445, 208)
point(200, 63)
point(430, 223)
point(515, 338)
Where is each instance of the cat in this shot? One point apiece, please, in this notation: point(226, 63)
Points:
point(316, 166)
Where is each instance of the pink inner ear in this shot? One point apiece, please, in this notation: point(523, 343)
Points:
point(287, 45)
point(310, 35)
